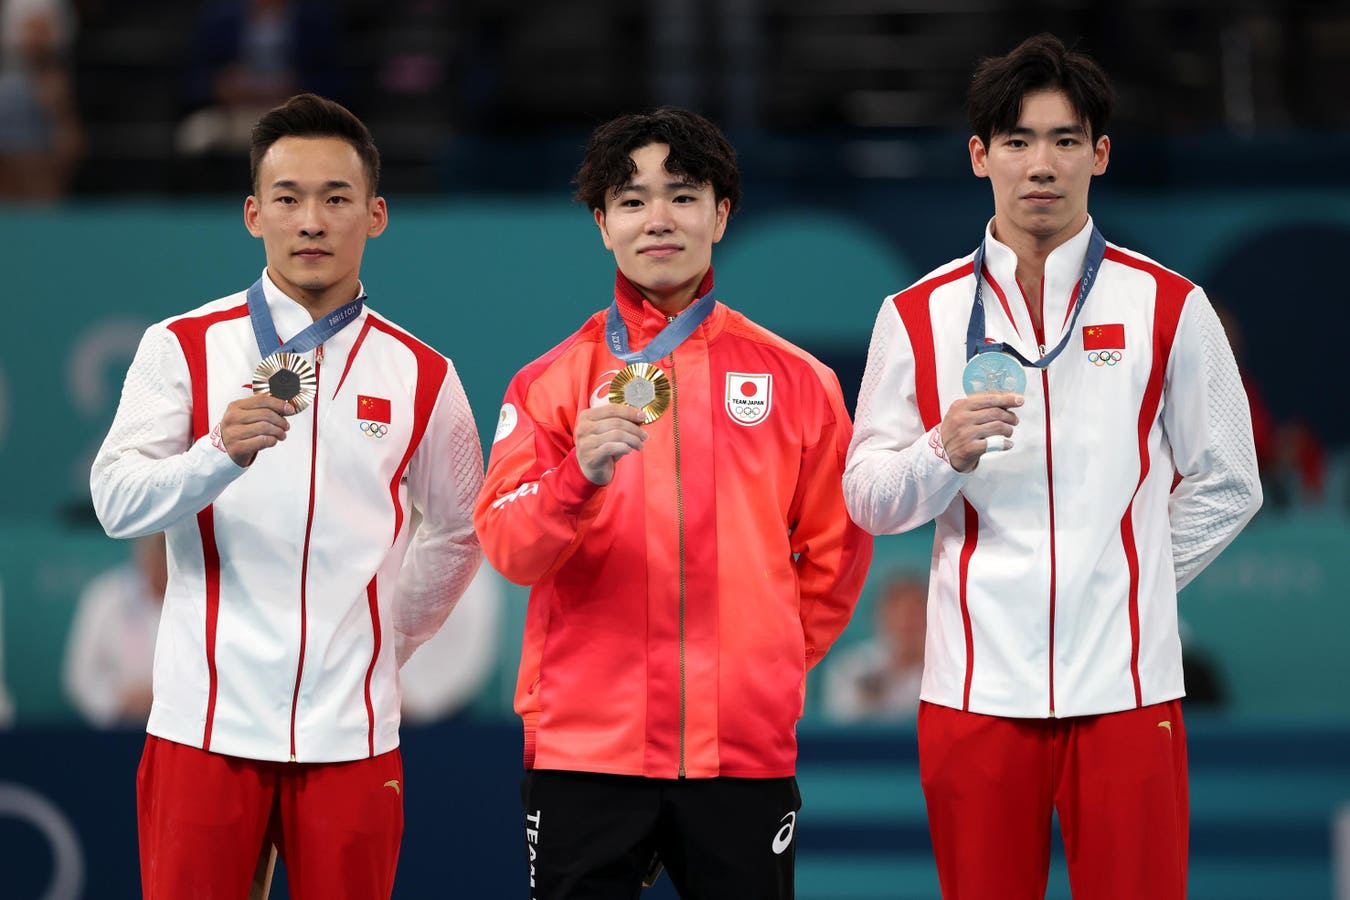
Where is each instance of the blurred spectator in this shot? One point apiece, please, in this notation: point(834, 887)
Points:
point(110, 653)
point(879, 679)
point(1289, 455)
point(41, 137)
point(446, 673)
point(1200, 671)
point(6, 704)
point(249, 56)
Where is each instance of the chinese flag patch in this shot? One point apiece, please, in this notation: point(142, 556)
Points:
point(1104, 337)
point(372, 409)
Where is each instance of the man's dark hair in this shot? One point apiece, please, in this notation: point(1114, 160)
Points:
point(698, 152)
point(312, 116)
point(1040, 63)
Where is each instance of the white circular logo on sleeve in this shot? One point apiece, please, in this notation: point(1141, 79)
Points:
point(506, 422)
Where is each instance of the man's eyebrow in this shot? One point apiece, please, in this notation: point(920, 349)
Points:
point(1023, 131)
point(287, 184)
point(681, 185)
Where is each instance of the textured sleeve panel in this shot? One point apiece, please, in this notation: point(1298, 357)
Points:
point(897, 476)
point(445, 477)
point(1209, 425)
point(148, 473)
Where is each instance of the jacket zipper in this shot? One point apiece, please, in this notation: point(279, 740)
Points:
point(1050, 493)
point(304, 560)
point(679, 509)
point(1050, 487)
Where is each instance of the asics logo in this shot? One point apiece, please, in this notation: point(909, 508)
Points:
point(784, 835)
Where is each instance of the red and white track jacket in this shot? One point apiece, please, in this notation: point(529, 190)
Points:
point(675, 611)
point(1056, 563)
point(297, 586)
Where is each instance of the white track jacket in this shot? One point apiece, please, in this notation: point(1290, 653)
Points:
point(298, 585)
point(1056, 564)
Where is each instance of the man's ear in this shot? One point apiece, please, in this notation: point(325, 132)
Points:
point(1101, 153)
point(979, 157)
point(251, 215)
point(604, 231)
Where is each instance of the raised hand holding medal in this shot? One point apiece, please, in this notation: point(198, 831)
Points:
point(638, 394)
point(983, 422)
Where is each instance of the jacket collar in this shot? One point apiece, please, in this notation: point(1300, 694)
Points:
point(645, 321)
point(1063, 268)
point(632, 302)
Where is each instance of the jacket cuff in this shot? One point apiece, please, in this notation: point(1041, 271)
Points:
point(572, 488)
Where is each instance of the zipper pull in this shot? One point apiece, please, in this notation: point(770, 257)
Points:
point(318, 355)
point(1042, 346)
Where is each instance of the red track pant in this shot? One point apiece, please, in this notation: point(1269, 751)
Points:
point(1118, 782)
point(204, 817)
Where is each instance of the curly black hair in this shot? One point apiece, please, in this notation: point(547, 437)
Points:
point(698, 152)
point(1040, 63)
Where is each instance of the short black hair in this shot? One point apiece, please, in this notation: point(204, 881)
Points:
point(699, 152)
point(312, 116)
point(1040, 63)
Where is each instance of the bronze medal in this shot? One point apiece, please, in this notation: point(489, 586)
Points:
point(286, 376)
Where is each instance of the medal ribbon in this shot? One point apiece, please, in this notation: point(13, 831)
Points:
point(975, 330)
point(670, 337)
point(318, 331)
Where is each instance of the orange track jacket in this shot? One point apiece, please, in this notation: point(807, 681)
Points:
point(675, 611)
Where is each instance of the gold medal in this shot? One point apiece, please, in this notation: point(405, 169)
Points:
point(286, 376)
point(644, 386)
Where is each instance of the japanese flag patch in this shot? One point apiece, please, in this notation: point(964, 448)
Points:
point(749, 397)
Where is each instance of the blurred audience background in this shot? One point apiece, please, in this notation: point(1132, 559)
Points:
point(878, 679)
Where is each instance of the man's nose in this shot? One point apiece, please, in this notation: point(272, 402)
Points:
point(659, 219)
point(311, 219)
point(1043, 162)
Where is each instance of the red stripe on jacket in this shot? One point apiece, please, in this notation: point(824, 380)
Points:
point(432, 369)
point(968, 550)
point(912, 304)
point(1172, 290)
point(191, 334)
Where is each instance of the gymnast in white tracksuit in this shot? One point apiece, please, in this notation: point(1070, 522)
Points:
point(1068, 512)
point(317, 532)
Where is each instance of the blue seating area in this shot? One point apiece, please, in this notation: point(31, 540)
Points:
point(1263, 799)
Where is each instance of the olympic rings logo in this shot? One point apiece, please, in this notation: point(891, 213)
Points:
point(374, 429)
point(1104, 357)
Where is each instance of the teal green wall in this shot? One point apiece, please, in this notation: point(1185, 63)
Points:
point(494, 284)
